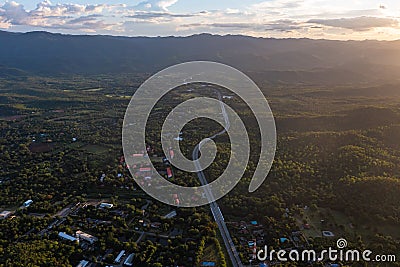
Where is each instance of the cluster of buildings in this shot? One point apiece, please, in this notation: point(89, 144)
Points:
point(251, 235)
point(141, 170)
point(128, 260)
point(144, 172)
point(7, 213)
point(79, 236)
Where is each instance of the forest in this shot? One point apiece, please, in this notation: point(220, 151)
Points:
point(336, 169)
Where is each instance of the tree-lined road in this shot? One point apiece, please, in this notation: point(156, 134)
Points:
point(215, 210)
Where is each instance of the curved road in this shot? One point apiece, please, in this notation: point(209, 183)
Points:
point(215, 210)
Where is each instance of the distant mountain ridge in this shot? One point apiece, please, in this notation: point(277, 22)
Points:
point(278, 60)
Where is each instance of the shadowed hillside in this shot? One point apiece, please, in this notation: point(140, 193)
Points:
point(275, 60)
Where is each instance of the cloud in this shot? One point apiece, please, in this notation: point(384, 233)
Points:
point(276, 4)
point(46, 8)
point(13, 13)
point(232, 25)
point(232, 11)
point(143, 15)
point(358, 23)
point(155, 5)
point(84, 25)
point(278, 25)
point(85, 19)
point(284, 25)
point(269, 18)
point(4, 24)
point(48, 15)
point(79, 16)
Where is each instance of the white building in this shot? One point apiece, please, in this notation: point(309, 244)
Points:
point(83, 263)
point(129, 260)
point(106, 205)
point(5, 214)
point(67, 237)
point(119, 257)
point(87, 237)
point(28, 203)
point(170, 215)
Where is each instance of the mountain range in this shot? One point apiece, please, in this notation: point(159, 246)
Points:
point(275, 60)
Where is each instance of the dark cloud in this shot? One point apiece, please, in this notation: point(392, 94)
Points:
point(284, 26)
point(85, 19)
point(222, 25)
point(153, 15)
point(278, 25)
point(233, 25)
point(357, 24)
point(87, 25)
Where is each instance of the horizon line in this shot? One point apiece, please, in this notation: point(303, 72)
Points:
point(194, 35)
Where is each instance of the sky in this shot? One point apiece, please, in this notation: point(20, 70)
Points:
point(317, 19)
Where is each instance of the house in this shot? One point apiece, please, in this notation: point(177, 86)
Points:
point(129, 259)
point(5, 214)
point(119, 257)
point(283, 239)
point(28, 203)
point(251, 243)
point(67, 237)
point(170, 215)
point(165, 161)
point(155, 225)
point(83, 263)
point(87, 237)
point(106, 205)
point(327, 234)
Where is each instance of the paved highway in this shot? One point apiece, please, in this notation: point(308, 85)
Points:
point(215, 210)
